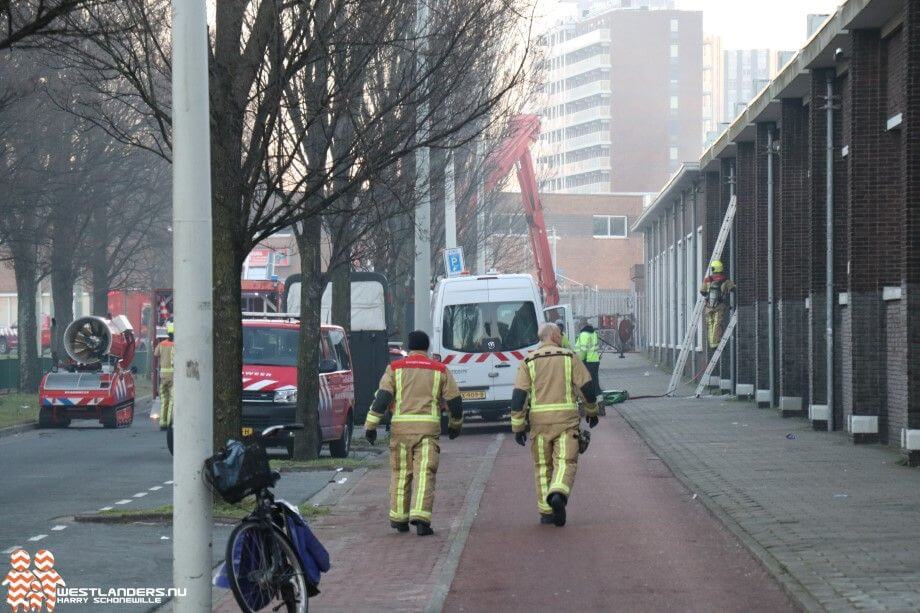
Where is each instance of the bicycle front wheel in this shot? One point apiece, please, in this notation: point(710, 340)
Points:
point(264, 570)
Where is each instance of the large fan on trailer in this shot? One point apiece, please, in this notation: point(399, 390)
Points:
point(88, 339)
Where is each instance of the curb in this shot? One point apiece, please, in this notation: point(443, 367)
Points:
point(789, 583)
point(33, 425)
point(18, 429)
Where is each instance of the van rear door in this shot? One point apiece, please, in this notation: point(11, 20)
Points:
point(516, 313)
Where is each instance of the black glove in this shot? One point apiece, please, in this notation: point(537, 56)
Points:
point(592, 421)
point(371, 435)
point(453, 433)
point(521, 438)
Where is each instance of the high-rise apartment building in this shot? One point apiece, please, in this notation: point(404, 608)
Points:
point(746, 72)
point(713, 84)
point(622, 97)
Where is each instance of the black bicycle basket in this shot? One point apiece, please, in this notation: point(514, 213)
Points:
point(239, 470)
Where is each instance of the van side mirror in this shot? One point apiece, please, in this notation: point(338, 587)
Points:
point(327, 366)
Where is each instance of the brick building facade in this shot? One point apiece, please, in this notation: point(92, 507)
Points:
point(590, 235)
point(867, 56)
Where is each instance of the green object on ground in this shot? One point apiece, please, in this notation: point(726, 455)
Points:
point(615, 396)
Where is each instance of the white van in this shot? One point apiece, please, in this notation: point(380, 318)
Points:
point(483, 327)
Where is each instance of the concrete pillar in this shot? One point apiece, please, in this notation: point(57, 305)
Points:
point(792, 265)
point(910, 302)
point(745, 275)
point(817, 194)
point(861, 334)
point(759, 255)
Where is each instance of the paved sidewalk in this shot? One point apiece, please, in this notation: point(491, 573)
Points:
point(376, 569)
point(838, 524)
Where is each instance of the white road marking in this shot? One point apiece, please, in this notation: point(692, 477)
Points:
point(164, 538)
point(126, 501)
point(106, 509)
point(12, 549)
point(155, 488)
point(58, 528)
point(38, 537)
point(168, 482)
point(139, 495)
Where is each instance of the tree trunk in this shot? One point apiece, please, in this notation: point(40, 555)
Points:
point(26, 270)
point(99, 264)
point(341, 294)
point(228, 331)
point(62, 282)
point(306, 442)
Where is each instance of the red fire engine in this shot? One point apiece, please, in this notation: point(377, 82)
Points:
point(97, 382)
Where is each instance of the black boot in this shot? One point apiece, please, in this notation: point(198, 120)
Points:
point(546, 519)
point(557, 501)
point(399, 526)
point(423, 528)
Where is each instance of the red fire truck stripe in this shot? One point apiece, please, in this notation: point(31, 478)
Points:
point(449, 358)
point(466, 358)
point(501, 356)
point(518, 355)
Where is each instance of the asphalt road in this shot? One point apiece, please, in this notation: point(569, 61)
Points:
point(49, 476)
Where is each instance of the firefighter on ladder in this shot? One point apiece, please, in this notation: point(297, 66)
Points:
point(551, 378)
point(715, 289)
point(414, 389)
point(165, 353)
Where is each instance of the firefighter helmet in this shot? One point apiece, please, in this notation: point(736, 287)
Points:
point(717, 266)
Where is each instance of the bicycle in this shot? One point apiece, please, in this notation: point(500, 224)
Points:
point(263, 566)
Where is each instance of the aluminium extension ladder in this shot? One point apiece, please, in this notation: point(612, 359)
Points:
point(697, 316)
point(729, 329)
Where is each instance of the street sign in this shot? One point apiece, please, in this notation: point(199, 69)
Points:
point(453, 261)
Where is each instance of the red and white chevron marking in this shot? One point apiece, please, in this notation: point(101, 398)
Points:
point(479, 358)
point(48, 576)
point(20, 581)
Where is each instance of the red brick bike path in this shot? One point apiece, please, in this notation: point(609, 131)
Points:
point(636, 540)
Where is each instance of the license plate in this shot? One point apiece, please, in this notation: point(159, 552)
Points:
point(247, 431)
point(473, 394)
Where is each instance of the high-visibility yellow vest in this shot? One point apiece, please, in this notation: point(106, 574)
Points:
point(587, 347)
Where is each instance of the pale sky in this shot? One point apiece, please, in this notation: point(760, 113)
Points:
point(750, 24)
point(743, 24)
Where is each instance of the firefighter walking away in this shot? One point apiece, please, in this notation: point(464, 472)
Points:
point(165, 352)
point(414, 388)
point(715, 289)
point(551, 378)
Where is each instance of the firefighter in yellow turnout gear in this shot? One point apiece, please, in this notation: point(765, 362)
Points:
point(414, 388)
point(165, 352)
point(551, 378)
point(715, 289)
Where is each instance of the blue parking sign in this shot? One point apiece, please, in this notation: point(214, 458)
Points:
point(453, 261)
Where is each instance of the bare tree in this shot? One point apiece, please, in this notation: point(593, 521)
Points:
point(25, 19)
point(311, 102)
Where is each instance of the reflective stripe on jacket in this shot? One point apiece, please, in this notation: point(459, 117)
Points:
point(418, 384)
point(553, 379)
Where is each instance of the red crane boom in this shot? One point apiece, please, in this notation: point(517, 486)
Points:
point(514, 153)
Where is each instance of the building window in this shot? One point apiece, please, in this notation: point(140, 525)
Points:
point(675, 25)
point(675, 103)
point(674, 154)
point(675, 51)
point(610, 226)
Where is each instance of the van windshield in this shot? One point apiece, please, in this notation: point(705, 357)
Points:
point(270, 346)
point(489, 326)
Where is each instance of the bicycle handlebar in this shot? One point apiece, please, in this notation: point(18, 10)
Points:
point(281, 427)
